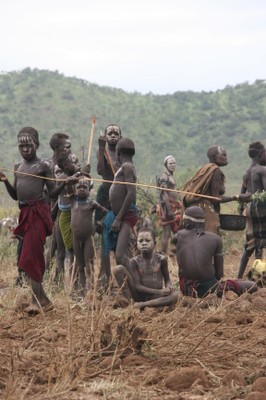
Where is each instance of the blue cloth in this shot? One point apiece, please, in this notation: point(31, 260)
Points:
point(63, 207)
point(109, 236)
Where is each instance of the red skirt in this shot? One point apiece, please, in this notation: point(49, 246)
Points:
point(35, 224)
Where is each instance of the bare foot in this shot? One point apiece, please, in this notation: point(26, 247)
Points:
point(140, 305)
point(48, 307)
point(120, 302)
point(32, 310)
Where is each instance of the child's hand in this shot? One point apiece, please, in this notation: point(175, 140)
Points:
point(166, 291)
point(101, 141)
point(87, 168)
point(71, 180)
point(116, 225)
point(3, 178)
point(244, 197)
point(170, 215)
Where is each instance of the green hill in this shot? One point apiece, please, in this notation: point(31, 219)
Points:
point(183, 124)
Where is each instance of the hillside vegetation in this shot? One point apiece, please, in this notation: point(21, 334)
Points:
point(183, 124)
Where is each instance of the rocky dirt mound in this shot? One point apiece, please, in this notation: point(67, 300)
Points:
point(202, 349)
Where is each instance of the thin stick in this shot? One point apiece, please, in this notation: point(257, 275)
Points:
point(73, 275)
point(203, 338)
point(91, 137)
point(116, 183)
point(83, 152)
point(109, 161)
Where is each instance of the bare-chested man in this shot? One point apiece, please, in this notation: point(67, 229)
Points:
point(209, 180)
point(147, 281)
point(119, 222)
point(35, 222)
point(169, 209)
point(254, 180)
point(107, 165)
point(82, 208)
point(200, 259)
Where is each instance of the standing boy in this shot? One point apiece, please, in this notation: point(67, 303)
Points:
point(119, 222)
point(254, 180)
point(107, 165)
point(35, 222)
point(82, 208)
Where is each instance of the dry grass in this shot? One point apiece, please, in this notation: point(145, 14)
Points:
point(89, 350)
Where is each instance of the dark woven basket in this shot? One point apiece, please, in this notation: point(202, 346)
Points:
point(230, 222)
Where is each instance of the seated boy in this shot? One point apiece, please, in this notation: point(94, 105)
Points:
point(147, 281)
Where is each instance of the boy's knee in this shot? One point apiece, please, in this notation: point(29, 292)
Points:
point(174, 296)
point(118, 269)
point(121, 260)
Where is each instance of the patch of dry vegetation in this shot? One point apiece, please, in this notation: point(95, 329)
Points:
point(201, 349)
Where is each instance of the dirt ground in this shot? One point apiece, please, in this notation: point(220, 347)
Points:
point(201, 349)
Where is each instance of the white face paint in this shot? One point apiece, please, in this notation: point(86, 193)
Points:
point(82, 189)
point(221, 157)
point(26, 139)
point(27, 147)
point(171, 164)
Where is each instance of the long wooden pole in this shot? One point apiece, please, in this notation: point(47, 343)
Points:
point(91, 137)
point(205, 196)
point(109, 161)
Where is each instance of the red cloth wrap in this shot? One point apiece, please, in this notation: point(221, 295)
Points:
point(131, 218)
point(175, 223)
point(35, 223)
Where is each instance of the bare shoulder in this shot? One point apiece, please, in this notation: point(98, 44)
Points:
point(182, 233)
point(164, 176)
point(134, 262)
point(160, 257)
point(212, 237)
point(217, 173)
point(262, 169)
point(162, 260)
point(46, 163)
point(94, 203)
point(129, 172)
point(127, 166)
point(246, 175)
point(46, 167)
point(256, 169)
point(17, 165)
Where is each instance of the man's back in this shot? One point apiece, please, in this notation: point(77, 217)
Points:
point(195, 251)
point(119, 192)
point(246, 184)
point(258, 178)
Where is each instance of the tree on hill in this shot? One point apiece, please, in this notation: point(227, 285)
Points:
point(183, 124)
